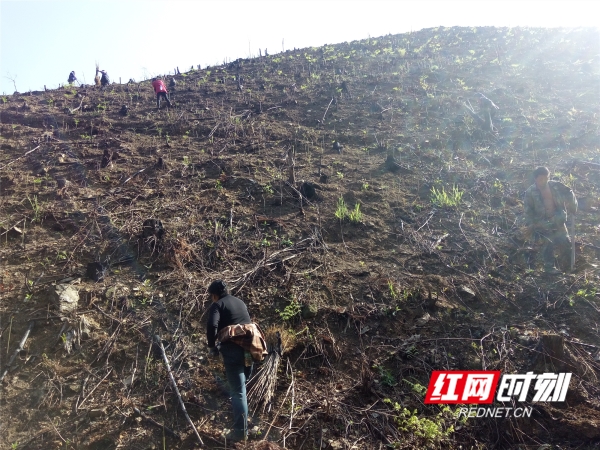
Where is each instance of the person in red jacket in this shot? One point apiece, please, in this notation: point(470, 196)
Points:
point(161, 91)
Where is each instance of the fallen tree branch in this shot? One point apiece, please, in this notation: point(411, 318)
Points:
point(72, 111)
point(323, 119)
point(19, 348)
point(174, 383)
point(22, 156)
point(92, 391)
point(588, 164)
point(136, 174)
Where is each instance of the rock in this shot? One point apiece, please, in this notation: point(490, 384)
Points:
point(73, 388)
point(309, 311)
point(65, 296)
point(423, 320)
point(466, 293)
point(128, 381)
point(87, 325)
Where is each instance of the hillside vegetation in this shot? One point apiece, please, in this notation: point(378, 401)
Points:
point(354, 195)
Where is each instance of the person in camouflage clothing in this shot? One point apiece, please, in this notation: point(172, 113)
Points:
point(547, 204)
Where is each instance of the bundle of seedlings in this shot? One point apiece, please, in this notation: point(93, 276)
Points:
point(97, 77)
point(261, 387)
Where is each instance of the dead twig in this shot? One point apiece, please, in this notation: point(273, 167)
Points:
point(71, 111)
point(22, 156)
point(174, 383)
point(19, 348)
point(92, 391)
point(136, 174)
point(323, 119)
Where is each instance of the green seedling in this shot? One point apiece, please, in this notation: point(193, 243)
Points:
point(342, 210)
point(355, 215)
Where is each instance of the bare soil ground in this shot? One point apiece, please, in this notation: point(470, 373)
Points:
point(374, 304)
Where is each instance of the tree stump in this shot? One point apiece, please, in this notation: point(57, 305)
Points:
point(554, 356)
point(96, 271)
point(153, 228)
point(308, 190)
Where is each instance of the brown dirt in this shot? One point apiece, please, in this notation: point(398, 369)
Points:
point(222, 193)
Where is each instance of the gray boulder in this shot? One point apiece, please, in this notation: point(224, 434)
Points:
point(65, 297)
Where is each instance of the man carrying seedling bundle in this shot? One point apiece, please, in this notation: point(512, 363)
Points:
point(161, 91)
point(241, 343)
point(546, 206)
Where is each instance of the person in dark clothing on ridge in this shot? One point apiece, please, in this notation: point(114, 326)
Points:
point(104, 81)
point(227, 310)
point(161, 91)
point(72, 77)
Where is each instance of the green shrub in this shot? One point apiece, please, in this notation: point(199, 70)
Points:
point(290, 311)
point(425, 432)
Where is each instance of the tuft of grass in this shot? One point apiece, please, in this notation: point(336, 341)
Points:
point(443, 199)
point(36, 208)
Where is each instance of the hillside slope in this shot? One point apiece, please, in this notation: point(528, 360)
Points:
point(374, 301)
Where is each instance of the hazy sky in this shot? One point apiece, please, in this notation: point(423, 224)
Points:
point(42, 41)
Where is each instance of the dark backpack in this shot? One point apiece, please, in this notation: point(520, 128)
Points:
point(104, 80)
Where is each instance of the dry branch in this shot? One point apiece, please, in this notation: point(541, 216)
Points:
point(323, 119)
point(72, 111)
point(174, 383)
point(22, 156)
point(94, 388)
point(19, 348)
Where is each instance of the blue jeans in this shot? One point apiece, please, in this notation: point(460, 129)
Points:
point(237, 375)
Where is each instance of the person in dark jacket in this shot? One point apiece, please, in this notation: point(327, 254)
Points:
point(229, 310)
point(72, 77)
point(161, 91)
point(104, 80)
point(548, 205)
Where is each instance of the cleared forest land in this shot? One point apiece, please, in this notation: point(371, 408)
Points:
point(357, 196)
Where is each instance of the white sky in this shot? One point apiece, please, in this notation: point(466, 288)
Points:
point(42, 41)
